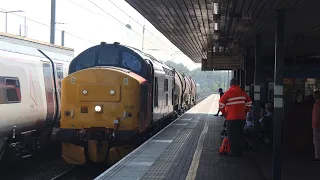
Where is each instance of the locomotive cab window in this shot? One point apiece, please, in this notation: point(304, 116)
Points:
point(13, 91)
point(129, 61)
point(108, 56)
point(83, 61)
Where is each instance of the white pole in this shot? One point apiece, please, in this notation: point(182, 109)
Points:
point(25, 26)
point(6, 22)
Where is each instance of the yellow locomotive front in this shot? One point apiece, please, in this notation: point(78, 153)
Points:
point(100, 109)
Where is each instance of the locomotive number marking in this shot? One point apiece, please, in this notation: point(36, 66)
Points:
point(125, 81)
point(129, 107)
point(73, 80)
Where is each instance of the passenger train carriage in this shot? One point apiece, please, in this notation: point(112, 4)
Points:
point(115, 95)
point(30, 82)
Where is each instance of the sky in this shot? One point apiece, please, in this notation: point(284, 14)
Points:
point(86, 25)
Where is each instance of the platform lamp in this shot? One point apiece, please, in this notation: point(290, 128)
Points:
point(6, 12)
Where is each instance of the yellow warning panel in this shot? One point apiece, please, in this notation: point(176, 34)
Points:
point(73, 154)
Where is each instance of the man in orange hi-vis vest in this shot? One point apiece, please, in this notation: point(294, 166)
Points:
point(234, 105)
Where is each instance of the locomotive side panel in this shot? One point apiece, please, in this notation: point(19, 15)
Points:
point(163, 83)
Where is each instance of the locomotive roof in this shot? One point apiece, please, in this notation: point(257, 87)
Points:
point(148, 56)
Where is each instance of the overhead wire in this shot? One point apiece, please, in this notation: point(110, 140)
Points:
point(32, 20)
point(119, 20)
point(71, 34)
point(99, 7)
point(137, 22)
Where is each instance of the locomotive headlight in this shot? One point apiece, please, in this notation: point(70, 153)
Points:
point(112, 92)
point(98, 108)
point(84, 92)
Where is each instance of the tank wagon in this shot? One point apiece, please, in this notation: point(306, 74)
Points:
point(115, 95)
point(30, 80)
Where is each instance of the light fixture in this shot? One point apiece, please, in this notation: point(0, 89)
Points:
point(98, 108)
point(216, 26)
point(216, 8)
point(112, 92)
point(84, 92)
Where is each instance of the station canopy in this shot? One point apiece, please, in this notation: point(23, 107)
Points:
point(204, 29)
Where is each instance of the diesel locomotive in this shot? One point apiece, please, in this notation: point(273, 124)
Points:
point(115, 95)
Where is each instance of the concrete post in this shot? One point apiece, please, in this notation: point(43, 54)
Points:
point(53, 21)
point(62, 38)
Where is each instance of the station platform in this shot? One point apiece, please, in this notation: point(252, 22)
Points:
point(186, 149)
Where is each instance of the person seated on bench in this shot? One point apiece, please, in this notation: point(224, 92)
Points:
point(266, 122)
point(251, 124)
point(250, 128)
point(254, 129)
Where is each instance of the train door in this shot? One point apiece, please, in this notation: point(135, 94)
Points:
point(146, 100)
point(49, 90)
point(146, 108)
point(150, 80)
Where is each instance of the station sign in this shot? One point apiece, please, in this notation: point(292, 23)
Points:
point(222, 62)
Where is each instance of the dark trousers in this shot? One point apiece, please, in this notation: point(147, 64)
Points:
point(236, 136)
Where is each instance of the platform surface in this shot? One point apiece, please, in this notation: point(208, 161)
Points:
point(185, 149)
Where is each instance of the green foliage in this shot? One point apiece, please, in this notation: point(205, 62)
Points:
point(209, 81)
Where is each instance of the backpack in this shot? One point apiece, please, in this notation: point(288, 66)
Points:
point(225, 147)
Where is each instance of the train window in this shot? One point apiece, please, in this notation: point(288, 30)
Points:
point(173, 98)
point(166, 88)
point(13, 90)
point(167, 100)
point(155, 92)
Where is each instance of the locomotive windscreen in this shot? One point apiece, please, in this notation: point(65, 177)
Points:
point(109, 55)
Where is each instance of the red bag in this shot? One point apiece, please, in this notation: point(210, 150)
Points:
point(225, 147)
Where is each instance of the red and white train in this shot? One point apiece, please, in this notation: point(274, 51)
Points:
point(30, 83)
